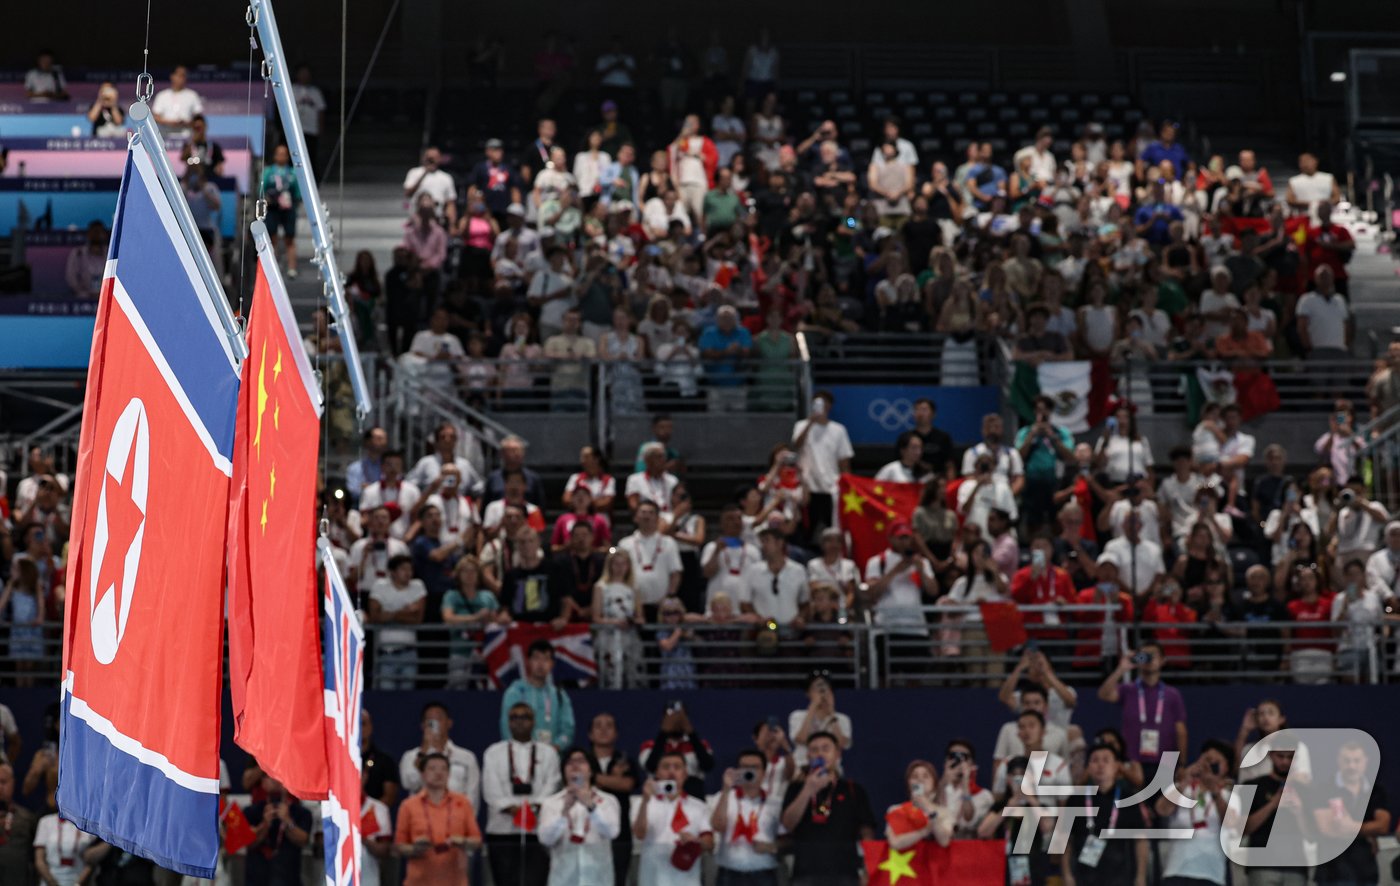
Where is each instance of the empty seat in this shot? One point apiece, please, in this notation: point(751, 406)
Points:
point(875, 98)
point(913, 112)
point(968, 98)
point(1059, 100)
point(1103, 115)
point(1069, 115)
point(1060, 146)
point(960, 146)
point(930, 146)
point(852, 128)
point(921, 129)
point(997, 99)
point(879, 113)
point(1132, 116)
point(1113, 131)
point(860, 146)
point(839, 97)
point(1089, 99)
point(999, 145)
point(945, 112)
point(1039, 115)
point(938, 98)
point(816, 111)
point(806, 97)
point(987, 129)
point(1029, 98)
point(1120, 101)
point(845, 112)
point(904, 98)
point(1018, 131)
point(975, 114)
point(1008, 113)
point(953, 130)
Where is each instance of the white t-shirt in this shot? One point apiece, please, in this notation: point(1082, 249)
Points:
point(840, 721)
point(549, 281)
point(376, 562)
point(533, 762)
point(601, 487)
point(1120, 455)
point(1008, 461)
point(430, 466)
point(310, 104)
point(733, 126)
point(1146, 509)
point(994, 494)
point(1238, 443)
point(655, 867)
point(427, 343)
point(1381, 575)
point(393, 599)
point(896, 472)
point(656, 490)
point(182, 106)
point(655, 558)
point(405, 495)
point(1311, 189)
point(782, 605)
point(1179, 497)
point(1327, 319)
point(729, 577)
point(1199, 859)
point(437, 184)
point(1363, 617)
point(458, 515)
point(1009, 742)
point(383, 830)
point(1056, 772)
point(969, 591)
point(760, 817)
point(496, 511)
point(1212, 301)
point(822, 452)
point(1149, 563)
point(63, 845)
point(839, 575)
point(901, 607)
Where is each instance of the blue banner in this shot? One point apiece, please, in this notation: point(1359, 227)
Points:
point(875, 414)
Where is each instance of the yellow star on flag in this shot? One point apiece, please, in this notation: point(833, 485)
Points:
point(262, 398)
point(889, 501)
point(277, 416)
point(851, 502)
point(264, 517)
point(277, 367)
point(879, 490)
point(897, 866)
point(880, 526)
point(272, 482)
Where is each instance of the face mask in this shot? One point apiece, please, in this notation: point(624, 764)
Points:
point(1038, 558)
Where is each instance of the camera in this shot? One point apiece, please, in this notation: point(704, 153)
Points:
point(521, 788)
point(1141, 658)
point(666, 787)
point(958, 757)
point(748, 776)
point(1346, 497)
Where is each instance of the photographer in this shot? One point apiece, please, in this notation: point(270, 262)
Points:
point(1354, 529)
point(108, 120)
point(967, 802)
point(281, 828)
point(747, 825)
point(436, 831)
point(1043, 447)
point(578, 825)
point(671, 826)
point(1207, 783)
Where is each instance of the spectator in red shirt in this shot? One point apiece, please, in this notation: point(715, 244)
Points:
point(1167, 610)
point(1311, 657)
point(1042, 583)
point(1099, 646)
point(1329, 245)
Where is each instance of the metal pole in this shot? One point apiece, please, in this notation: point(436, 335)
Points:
point(149, 139)
point(276, 72)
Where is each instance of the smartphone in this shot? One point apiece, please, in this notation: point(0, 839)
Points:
point(578, 781)
point(916, 789)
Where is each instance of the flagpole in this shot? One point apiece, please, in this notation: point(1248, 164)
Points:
point(279, 76)
point(149, 136)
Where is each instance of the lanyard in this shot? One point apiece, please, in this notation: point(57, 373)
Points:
point(510, 756)
point(655, 553)
point(1112, 816)
point(1142, 705)
point(729, 564)
point(66, 858)
point(661, 499)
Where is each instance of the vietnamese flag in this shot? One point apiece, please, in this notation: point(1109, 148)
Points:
point(887, 866)
point(865, 509)
point(238, 834)
point(275, 668)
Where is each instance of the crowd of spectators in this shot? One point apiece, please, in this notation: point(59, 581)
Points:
point(565, 805)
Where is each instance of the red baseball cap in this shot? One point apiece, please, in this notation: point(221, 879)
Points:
point(900, 527)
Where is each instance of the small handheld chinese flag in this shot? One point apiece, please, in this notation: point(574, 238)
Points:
point(1005, 625)
point(238, 834)
point(678, 821)
point(369, 822)
point(525, 818)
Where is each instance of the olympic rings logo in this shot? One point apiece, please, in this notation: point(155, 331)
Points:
point(892, 415)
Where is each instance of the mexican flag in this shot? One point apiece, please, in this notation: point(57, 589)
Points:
point(1068, 383)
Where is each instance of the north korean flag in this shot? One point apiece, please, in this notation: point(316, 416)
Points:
point(139, 749)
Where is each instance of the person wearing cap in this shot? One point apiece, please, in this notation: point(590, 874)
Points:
point(1091, 859)
point(1099, 648)
point(498, 181)
point(527, 242)
point(898, 580)
point(1166, 147)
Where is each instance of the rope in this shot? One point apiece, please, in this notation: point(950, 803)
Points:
point(360, 90)
point(145, 83)
point(344, 30)
point(243, 240)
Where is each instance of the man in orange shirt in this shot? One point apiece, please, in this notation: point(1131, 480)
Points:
point(1241, 341)
point(437, 829)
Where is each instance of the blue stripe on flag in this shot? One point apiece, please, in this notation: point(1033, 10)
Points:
point(173, 310)
point(131, 797)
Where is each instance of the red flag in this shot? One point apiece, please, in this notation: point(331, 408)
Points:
point(525, 818)
point(1255, 393)
point(886, 866)
point(275, 669)
point(369, 823)
point(866, 508)
point(1004, 624)
point(678, 821)
point(968, 862)
point(238, 834)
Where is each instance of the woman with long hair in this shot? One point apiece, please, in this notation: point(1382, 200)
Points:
point(1263, 720)
point(617, 611)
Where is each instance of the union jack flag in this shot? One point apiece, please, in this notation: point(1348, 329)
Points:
point(345, 658)
point(504, 652)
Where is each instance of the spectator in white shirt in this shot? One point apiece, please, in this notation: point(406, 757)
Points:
point(1009, 744)
point(1217, 304)
point(175, 106)
point(431, 179)
point(1357, 604)
point(311, 110)
point(399, 599)
point(1139, 561)
point(724, 560)
point(393, 492)
point(1177, 494)
point(464, 775)
point(903, 147)
point(897, 582)
point(1325, 324)
point(1006, 461)
point(983, 491)
point(425, 473)
point(1355, 525)
point(672, 827)
point(45, 82)
point(746, 823)
point(1310, 187)
point(1043, 164)
point(578, 825)
point(1136, 498)
point(824, 453)
point(369, 556)
point(832, 567)
point(655, 557)
point(1122, 450)
point(516, 776)
point(1383, 567)
point(58, 851)
point(904, 469)
point(775, 588)
point(655, 484)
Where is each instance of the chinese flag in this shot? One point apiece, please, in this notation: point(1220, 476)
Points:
point(369, 823)
point(275, 668)
point(968, 862)
point(885, 866)
point(525, 818)
point(1004, 624)
point(866, 508)
point(238, 834)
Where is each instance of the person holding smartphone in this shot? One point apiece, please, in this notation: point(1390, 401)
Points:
point(827, 815)
point(672, 827)
point(920, 817)
point(747, 825)
point(578, 825)
point(281, 829)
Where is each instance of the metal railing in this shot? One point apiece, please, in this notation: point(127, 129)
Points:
point(686, 385)
point(1382, 454)
point(1304, 386)
point(915, 358)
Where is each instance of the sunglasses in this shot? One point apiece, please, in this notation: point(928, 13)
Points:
point(521, 717)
